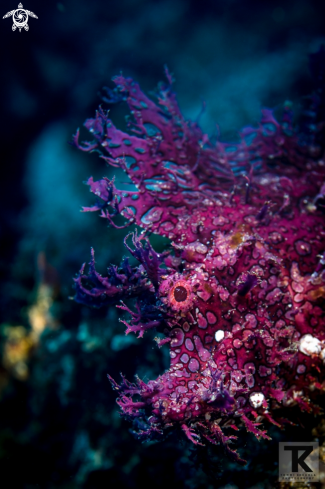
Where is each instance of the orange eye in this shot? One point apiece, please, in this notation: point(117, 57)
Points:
point(180, 295)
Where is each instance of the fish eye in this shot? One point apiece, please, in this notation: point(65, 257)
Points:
point(180, 293)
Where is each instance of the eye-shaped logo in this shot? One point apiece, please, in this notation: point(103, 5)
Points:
point(20, 18)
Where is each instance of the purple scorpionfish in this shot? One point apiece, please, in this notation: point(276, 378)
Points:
point(240, 298)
